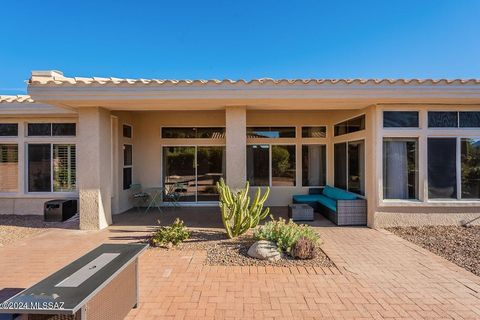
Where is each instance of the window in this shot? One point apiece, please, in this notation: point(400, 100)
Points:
point(469, 119)
point(39, 168)
point(64, 168)
point(442, 168)
point(8, 129)
point(441, 119)
point(193, 133)
point(127, 166)
point(42, 171)
point(8, 167)
point(127, 131)
point(470, 157)
point(314, 165)
point(270, 132)
point(356, 167)
point(350, 126)
point(400, 168)
point(400, 119)
point(283, 165)
point(258, 159)
point(349, 170)
point(51, 129)
point(314, 132)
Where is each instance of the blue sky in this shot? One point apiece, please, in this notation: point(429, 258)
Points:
point(239, 39)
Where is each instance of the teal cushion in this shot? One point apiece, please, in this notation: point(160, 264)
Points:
point(338, 194)
point(328, 202)
point(306, 198)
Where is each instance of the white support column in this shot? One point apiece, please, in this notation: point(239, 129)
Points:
point(373, 163)
point(94, 167)
point(236, 142)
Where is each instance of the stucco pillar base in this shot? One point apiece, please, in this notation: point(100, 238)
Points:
point(93, 215)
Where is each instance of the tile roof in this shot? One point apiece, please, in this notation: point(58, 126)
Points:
point(16, 99)
point(53, 78)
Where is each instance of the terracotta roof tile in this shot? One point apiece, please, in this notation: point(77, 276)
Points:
point(16, 99)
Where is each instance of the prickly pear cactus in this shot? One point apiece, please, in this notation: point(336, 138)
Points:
point(237, 214)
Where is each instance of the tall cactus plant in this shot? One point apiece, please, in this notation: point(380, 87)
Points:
point(237, 214)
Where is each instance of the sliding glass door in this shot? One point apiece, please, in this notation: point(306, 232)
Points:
point(193, 171)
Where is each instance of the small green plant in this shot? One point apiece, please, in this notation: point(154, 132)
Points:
point(237, 214)
point(170, 235)
point(285, 235)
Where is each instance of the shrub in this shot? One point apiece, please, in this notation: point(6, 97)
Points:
point(303, 249)
point(170, 235)
point(285, 235)
point(238, 215)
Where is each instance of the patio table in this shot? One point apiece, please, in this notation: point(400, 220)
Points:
point(102, 284)
point(155, 199)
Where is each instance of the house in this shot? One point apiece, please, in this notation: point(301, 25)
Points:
point(410, 147)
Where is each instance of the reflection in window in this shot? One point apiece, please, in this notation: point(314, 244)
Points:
point(39, 168)
point(8, 167)
point(314, 132)
point(469, 119)
point(356, 167)
point(8, 129)
point(193, 133)
point(400, 168)
point(179, 172)
point(340, 168)
point(314, 166)
point(442, 119)
point(283, 165)
point(350, 126)
point(271, 132)
point(400, 119)
point(442, 173)
point(258, 162)
point(211, 166)
point(127, 166)
point(470, 155)
point(64, 168)
point(64, 129)
point(51, 129)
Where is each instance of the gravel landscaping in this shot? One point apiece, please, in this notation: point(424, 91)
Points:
point(18, 227)
point(460, 245)
point(233, 252)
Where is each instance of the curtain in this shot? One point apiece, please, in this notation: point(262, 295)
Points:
point(396, 170)
point(314, 165)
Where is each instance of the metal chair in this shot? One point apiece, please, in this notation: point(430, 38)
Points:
point(171, 195)
point(138, 197)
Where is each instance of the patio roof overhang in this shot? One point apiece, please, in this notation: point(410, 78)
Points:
point(263, 94)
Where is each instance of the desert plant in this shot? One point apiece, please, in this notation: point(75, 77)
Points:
point(238, 215)
point(284, 234)
point(170, 235)
point(304, 248)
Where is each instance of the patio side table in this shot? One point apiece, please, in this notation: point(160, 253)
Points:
point(300, 212)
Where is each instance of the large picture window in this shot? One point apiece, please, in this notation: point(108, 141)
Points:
point(400, 168)
point(8, 167)
point(442, 168)
point(314, 165)
point(349, 171)
point(51, 168)
point(274, 163)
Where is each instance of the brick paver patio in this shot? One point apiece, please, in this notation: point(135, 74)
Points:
point(378, 275)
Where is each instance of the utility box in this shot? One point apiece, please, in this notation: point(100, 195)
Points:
point(59, 210)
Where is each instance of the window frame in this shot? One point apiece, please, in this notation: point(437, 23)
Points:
point(25, 169)
point(270, 144)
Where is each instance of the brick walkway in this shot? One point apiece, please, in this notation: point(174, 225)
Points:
point(379, 276)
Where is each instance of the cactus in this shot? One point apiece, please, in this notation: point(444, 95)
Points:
point(237, 214)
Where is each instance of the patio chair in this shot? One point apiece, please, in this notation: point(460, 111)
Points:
point(138, 197)
point(171, 195)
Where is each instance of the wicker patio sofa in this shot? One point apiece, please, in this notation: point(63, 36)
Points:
point(339, 206)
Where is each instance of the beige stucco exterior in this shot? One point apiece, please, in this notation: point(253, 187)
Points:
point(101, 108)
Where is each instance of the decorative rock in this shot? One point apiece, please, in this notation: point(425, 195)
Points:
point(264, 250)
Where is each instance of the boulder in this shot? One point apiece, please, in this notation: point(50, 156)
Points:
point(264, 250)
